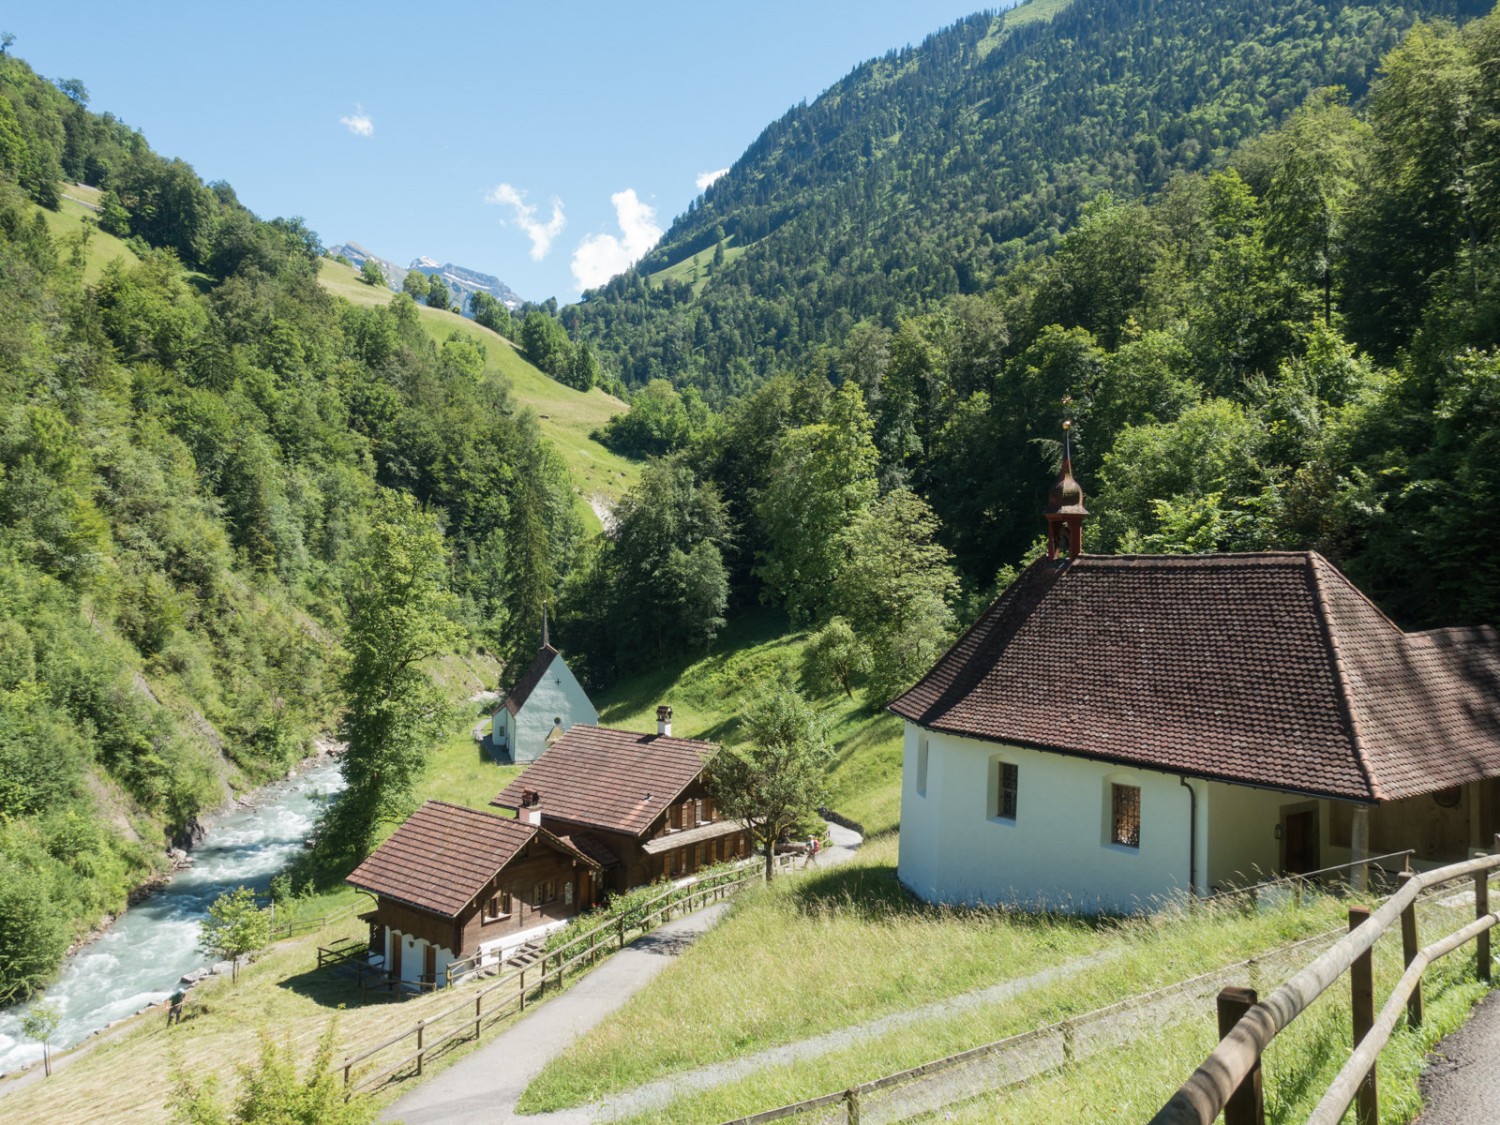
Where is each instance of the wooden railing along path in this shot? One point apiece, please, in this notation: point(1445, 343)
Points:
point(980, 1070)
point(1230, 1079)
point(509, 993)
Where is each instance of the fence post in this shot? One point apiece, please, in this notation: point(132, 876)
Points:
point(1362, 1002)
point(420, 1025)
point(1481, 908)
point(523, 990)
point(622, 931)
point(851, 1105)
point(478, 1000)
point(1410, 944)
point(1246, 1106)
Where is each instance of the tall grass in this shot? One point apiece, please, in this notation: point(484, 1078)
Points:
point(835, 949)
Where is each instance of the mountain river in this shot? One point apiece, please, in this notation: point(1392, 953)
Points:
point(138, 960)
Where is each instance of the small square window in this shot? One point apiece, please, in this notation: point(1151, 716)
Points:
point(1125, 815)
point(1005, 795)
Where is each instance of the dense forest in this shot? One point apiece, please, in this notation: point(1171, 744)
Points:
point(1298, 349)
point(198, 454)
point(935, 170)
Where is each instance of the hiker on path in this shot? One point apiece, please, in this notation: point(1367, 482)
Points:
point(174, 1012)
point(813, 845)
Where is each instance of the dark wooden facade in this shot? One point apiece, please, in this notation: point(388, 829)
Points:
point(541, 884)
point(693, 809)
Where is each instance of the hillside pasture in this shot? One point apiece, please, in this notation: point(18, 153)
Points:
point(834, 949)
point(567, 416)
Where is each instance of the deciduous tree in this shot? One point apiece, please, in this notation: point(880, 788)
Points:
point(400, 614)
point(779, 778)
point(235, 926)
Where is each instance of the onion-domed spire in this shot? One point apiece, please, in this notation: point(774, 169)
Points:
point(1065, 511)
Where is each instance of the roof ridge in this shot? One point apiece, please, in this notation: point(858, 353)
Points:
point(1343, 689)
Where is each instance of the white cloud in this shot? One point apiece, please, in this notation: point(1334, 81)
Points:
point(523, 215)
point(359, 122)
point(706, 178)
point(600, 256)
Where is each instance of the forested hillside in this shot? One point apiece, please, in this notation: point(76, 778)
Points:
point(197, 446)
point(1298, 350)
point(935, 170)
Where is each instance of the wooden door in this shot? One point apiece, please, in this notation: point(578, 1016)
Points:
point(1300, 838)
point(429, 964)
point(395, 955)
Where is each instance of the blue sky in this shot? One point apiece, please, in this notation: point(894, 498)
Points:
point(542, 143)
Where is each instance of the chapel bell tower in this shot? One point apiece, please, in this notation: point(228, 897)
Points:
point(1065, 511)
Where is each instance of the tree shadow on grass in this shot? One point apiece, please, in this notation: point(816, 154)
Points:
point(872, 892)
point(331, 988)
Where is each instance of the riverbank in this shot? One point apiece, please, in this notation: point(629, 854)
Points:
point(138, 960)
point(125, 1074)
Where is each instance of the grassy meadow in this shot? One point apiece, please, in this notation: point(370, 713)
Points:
point(702, 262)
point(567, 416)
point(76, 216)
point(833, 949)
point(709, 692)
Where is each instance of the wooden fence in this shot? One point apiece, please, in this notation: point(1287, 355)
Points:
point(1230, 1079)
point(957, 1078)
point(509, 993)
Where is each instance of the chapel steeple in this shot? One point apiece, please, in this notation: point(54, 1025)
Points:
point(1065, 511)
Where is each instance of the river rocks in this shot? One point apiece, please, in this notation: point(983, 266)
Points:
point(187, 980)
point(179, 859)
point(189, 835)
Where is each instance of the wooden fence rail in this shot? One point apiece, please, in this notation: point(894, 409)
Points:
point(1224, 1073)
point(509, 994)
point(926, 1088)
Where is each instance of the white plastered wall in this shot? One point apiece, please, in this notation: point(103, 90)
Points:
point(1056, 851)
point(557, 701)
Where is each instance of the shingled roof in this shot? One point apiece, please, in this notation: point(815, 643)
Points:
point(615, 779)
point(518, 695)
point(446, 854)
point(1268, 669)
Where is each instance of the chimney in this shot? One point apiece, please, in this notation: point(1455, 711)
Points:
point(531, 807)
point(664, 721)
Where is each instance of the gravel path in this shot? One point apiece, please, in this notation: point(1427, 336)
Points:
point(485, 1085)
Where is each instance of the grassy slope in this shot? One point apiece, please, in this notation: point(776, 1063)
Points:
point(709, 693)
point(74, 216)
point(567, 416)
point(836, 948)
point(683, 270)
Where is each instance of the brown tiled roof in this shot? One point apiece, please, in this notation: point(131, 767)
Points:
point(518, 695)
point(1269, 669)
point(444, 855)
point(615, 779)
point(591, 846)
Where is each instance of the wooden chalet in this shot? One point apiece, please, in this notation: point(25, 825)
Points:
point(454, 883)
point(637, 804)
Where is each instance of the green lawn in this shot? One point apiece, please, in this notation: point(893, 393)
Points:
point(567, 416)
point(834, 949)
point(709, 694)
